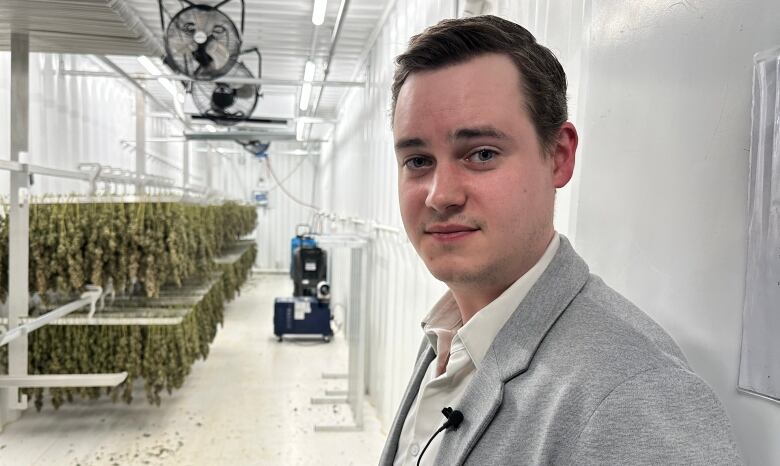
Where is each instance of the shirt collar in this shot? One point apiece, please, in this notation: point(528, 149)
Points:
point(444, 328)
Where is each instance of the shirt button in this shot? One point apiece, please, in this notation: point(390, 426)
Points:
point(414, 449)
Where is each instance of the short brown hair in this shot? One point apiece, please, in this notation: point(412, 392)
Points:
point(454, 41)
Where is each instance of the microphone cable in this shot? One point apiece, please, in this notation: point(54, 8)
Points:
point(454, 418)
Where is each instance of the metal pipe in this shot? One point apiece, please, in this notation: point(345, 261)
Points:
point(389, 6)
point(87, 173)
point(122, 74)
point(225, 79)
point(59, 173)
point(333, 39)
point(137, 25)
point(336, 33)
point(171, 139)
point(238, 135)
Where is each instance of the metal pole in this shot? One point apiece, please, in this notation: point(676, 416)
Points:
point(210, 169)
point(11, 403)
point(140, 138)
point(185, 164)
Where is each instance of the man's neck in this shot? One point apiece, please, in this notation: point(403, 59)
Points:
point(472, 297)
point(471, 300)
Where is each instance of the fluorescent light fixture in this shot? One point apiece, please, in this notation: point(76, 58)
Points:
point(154, 71)
point(299, 130)
point(308, 71)
point(318, 14)
point(168, 85)
point(146, 63)
point(305, 96)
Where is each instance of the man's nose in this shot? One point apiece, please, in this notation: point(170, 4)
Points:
point(446, 190)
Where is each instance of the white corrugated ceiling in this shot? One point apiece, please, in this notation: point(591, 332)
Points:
point(281, 29)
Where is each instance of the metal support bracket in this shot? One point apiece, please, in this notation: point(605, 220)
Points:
point(88, 298)
point(63, 380)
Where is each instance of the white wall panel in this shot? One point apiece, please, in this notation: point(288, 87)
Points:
point(5, 117)
point(75, 119)
point(564, 38)
point(277, 222)
point(357, 178)
point(5, 101)
point(665, 98)
point(661, 95)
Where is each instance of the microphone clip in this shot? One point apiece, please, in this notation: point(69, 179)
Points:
point(454, 418)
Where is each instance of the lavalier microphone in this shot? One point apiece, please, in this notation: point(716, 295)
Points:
point(454, 418)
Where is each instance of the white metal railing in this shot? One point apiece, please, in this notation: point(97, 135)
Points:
point(94, 173)
point(371, 225)
point(88, 298)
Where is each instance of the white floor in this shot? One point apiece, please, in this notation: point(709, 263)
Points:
point(248, 404)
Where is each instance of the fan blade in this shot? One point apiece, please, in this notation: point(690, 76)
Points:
point(201, 21)
point(247, 91)
point(202, 56)
point(220, 52)
point(186, 46)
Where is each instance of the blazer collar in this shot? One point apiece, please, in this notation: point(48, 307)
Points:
point(512, 350)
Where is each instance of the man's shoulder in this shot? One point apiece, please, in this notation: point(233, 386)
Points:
point(602, 328)
point(598, 343)
point(604, 371)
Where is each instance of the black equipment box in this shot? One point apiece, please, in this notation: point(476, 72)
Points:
point(310, 268)
point(301, 315)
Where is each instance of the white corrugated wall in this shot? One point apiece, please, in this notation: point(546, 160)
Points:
point(277, 222)
point(357, 178)
point(77, 119)
point(661, 95)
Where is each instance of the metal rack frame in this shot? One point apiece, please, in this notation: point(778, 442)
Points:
point(355, 331)
point(18, 325)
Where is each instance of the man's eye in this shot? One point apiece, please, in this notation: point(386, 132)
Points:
point(482, 155)
point(416, 163)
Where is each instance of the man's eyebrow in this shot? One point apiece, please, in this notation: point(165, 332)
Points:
point(409, 143)
point(478, 132)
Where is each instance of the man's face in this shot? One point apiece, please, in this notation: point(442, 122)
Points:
point(475, 189)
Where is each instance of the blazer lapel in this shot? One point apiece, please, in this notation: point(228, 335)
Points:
point(513, 349)
point(518, 340)
point(424, 358)
point(478, 405)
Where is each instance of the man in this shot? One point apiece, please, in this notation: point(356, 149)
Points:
point(545, 363)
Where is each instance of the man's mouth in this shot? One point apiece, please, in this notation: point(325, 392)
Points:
point(450, 231)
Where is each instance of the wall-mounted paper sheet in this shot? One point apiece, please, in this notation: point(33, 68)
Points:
point(759, 370)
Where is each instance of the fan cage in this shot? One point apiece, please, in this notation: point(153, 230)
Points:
point(186, 56)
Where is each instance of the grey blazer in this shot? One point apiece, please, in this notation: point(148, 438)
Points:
point(579, 376)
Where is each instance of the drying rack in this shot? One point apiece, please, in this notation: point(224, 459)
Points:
point(17, 325)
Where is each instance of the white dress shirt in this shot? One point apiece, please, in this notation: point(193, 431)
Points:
point(460, 350)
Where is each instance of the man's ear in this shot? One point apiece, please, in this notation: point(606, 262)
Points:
point(563, 154)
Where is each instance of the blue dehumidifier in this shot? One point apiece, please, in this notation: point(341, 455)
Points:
point(307, 312)
point(301, 315)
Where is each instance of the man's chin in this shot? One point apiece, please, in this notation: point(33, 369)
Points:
point(453, 274)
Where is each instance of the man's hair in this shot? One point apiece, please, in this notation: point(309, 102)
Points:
point(454, 41)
